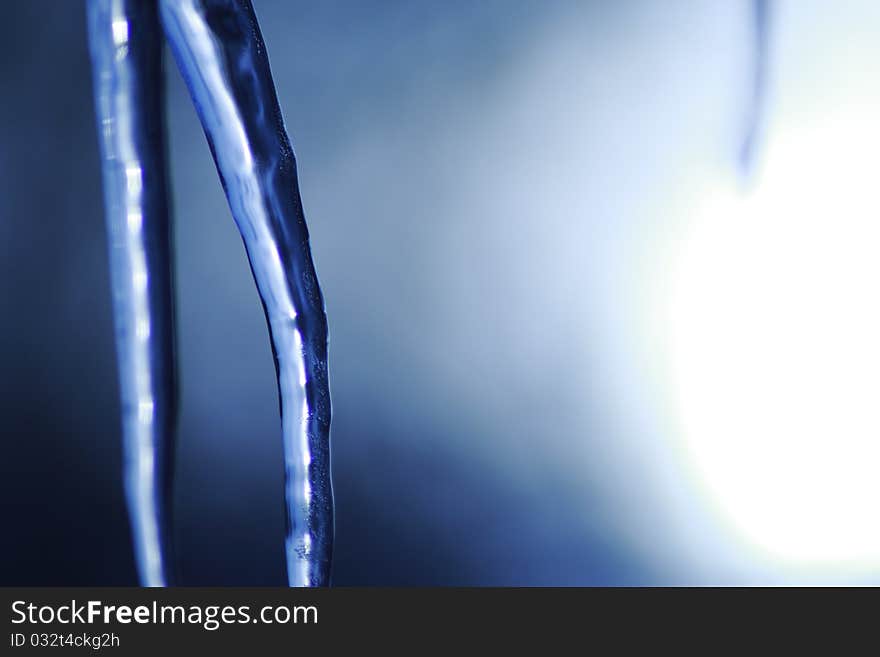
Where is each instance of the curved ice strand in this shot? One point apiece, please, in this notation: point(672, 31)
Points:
point(760, 30)
point(220, 52)
point(126, 48)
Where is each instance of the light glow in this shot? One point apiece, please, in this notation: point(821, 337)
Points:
point(774, 337)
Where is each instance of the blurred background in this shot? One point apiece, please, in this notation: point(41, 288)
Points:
point(571, 344)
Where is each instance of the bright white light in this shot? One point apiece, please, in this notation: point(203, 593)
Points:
point(775, 344)
point(135, 221)
point(146, 410)
point(134, 181)
point(119, 28)
point(142, 329)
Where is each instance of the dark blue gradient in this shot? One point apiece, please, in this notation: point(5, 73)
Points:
point(493, 191)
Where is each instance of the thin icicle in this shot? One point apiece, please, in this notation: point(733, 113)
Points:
point(219, 49)
point(758, 94)
point(126, 48)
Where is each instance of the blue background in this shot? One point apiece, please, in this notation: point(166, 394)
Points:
point(482, 181)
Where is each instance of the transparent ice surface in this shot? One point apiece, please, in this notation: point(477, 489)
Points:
point(219, 49)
